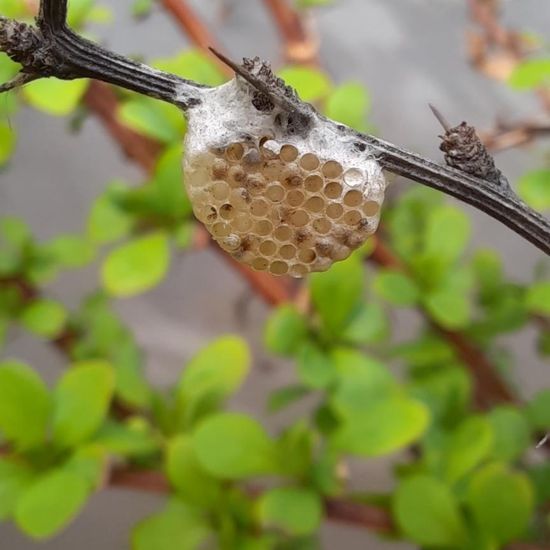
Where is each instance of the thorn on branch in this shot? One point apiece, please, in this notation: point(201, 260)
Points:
point(465, 151)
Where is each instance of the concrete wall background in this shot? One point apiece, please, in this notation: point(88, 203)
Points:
point(408, 53)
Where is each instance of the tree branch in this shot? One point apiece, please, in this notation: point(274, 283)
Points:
point(53, 50)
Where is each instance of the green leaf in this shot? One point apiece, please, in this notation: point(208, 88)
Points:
point(78, 12)
point(193, 65)
point(311, 84)
point(397, 288)
point(134, 438)
point(534, 189)
point(177, 527)
point(285, 331)
point(81, 402)
point(530, 73)
point(234, 446)
point(427, 513)
point(314, 367)
point(538, 410)
point(107, 222)
point(7, 142)
point(136, 266)
point(214, 374)
point(90, 463)
point(55, 97)
point(285, 396)
point(24, 405)
point(501, 502)
point(153, 118)
point(337, 293)
point(370, 325)
point(51, 503)
point(538, 298)
point(349, 104)
point(141, 8)
point(447, 233)
point(511, 433)
point(70, 250)
point(44, 317)
point(294, 511)
point(187, 476)
point(14, 478)
point(449, 307)
point(468, 445)
point(382, 428)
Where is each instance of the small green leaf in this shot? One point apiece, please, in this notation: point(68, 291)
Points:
point(107, 222)
point(7, 143)
point(187, 476)
point(285, 396)
point(55, 97)
point(538, 410)
point(44, 317)
point(178, 526)
point(447, 233)
point(70, 250)
point(397, 288)
point(534, 189)
point(51, 503)
point(81, 402)
point(90, 463)
point(427, 513)
point(311, 84)
point(234, 446)
point(369, 325)
point(468, 445)
point(315, 368)
point(136, 266)
point(215, 373)
point(141, 8)
point(193, 65)
point(349, 104)
point(285, 331)
point(24, 405)
point(14, 478)
point(132, 439)
point(382, 428)
point(337, 293)
point(501, 502)
point(448, 307)
point(538, 298)
point(511, 433)
point(530, 73)
point(294, 511)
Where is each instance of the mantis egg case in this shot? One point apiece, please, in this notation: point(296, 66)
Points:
point(275, 196)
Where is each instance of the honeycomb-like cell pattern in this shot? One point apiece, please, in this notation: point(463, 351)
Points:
point(279, 209)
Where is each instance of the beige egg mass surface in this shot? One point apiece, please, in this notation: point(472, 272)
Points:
point(279, 209)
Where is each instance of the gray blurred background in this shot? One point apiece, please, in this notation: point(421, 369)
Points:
point(408, 53)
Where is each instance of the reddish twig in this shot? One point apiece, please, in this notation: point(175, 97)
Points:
point(301, 46)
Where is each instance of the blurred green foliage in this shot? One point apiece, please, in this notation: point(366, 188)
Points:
point(465, 478)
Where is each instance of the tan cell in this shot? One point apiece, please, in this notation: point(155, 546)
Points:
point(322, 225)
point(239, 199)
point(309, 162)
point(283, 233)
point(278, 268)
point(299, 218)
point(236, 176)
point(275, 193)
point(353, 198)
point(340, 253)
point(261, 264)
point(334, 210)
point(315, 204)
point(263, 227)
point(219, 169)
point(332, 169)
point(252, 160)
point(333, 190)
point(288, 153)
point(298, 270)
point(314, 183)
point(221, 229)
point(268, 248)
point(287, 251)
point(234, 152)
point(354, 177)
point(371, 208)
point(220, 190)
point(307, 255)
point(291, 178)
point(295, 197)
point(259, 208)
point(303, 238)
point(353, 217)
point(242, 222)
point(255, 183)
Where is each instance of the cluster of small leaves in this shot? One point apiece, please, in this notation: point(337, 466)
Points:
point(469, 480)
